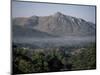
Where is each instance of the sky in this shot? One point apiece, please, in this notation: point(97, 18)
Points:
point(27, 9)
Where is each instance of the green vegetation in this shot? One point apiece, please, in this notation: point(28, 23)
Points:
point(86, 59)
point(53, 59)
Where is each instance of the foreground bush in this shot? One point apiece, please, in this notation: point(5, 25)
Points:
point(53, 59)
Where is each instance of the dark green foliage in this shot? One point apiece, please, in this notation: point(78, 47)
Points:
point(86, 59)
point(39, 61)
point(53, 59)
point(55, 64)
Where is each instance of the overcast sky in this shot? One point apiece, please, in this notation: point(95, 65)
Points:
point(26, 9)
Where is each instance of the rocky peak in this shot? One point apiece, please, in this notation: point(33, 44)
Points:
point(57, 14)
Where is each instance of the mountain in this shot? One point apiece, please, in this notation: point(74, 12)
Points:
point(20, 31)
point(57, 24)
point(52, 31)
point(19, 21)
point(64, 25)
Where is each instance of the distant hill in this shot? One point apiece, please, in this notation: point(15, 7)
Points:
point(20, 31)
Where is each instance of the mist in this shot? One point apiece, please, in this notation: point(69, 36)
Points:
point(56, 42)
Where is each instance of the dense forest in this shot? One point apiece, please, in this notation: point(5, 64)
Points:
point(38, 60)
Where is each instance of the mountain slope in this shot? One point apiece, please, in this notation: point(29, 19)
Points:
point(63, 25)
point(20, 31)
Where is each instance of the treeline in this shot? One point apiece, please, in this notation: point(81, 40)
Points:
point(53, 59)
